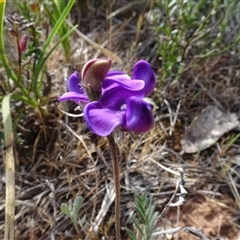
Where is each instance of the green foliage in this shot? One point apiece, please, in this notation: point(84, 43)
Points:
point(188, 29)
point(231, 141)
point(72, 209)
point(58, 8)
point(145, 217)
point(29, 73)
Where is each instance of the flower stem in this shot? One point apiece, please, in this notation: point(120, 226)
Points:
point(114, 151)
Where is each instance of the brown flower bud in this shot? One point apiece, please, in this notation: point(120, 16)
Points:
point(93, 73)
point(13, 32)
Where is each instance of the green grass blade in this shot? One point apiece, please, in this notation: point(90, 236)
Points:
point(3, 57)
point(58, 25)
point(58, 9)
point(35, 86)
point(54, 31)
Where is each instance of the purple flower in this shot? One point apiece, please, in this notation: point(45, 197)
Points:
point(77, 87)
point(121, 103)
point(119, 107)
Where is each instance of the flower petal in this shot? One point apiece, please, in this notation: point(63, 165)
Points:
point(73, 96)
point(117, 74)
point(134, 85)
point(73, 83)
point(116, 98)
point(112, 76)
point(100, 120)
point(139, 116)
point(142, 70)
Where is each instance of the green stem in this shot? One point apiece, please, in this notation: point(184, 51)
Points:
point(10, 73)
point(114, 151)
point(3, 57)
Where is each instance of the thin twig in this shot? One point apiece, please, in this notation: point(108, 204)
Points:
point(196, 232)
point(114, 151)
point(53, 202)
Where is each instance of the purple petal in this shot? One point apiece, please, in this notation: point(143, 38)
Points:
point(116, 98)
point(100, 120)
point(139, 116)
point(73, 96)
point(142, 70)
point(113, 77)
point(134, 85)
point(119, 75)
point(73, 83)
point(114, 72)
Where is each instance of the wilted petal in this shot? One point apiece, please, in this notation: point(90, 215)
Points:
point(95, 71)
point(73, 96)
point(139, 116)
point(100, 120)
point(73, 83)
point(142, 70)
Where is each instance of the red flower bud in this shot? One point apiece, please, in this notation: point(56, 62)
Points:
point(23, 43)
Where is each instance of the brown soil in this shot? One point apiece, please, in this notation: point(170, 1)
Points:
point(212, 217)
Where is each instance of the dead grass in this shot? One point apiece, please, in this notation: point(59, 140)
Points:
point(62, 159)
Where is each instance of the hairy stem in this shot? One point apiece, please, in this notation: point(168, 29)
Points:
point(114, 151)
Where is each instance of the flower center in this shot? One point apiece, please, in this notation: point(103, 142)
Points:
point(124, 106)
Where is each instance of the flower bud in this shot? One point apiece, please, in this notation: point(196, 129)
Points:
point(13, 32)
point(93, 73)
point(23, 43)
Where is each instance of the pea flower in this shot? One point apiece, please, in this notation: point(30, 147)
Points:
point(122, 98)
point(79, 90)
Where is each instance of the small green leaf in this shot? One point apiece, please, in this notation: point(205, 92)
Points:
point(65, 209)
point(137, 225)
point(77, 204)
point(131, 234)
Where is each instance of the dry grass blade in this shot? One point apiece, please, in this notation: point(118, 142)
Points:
point(106, 203)
point(10, 169)
point(122, 9)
